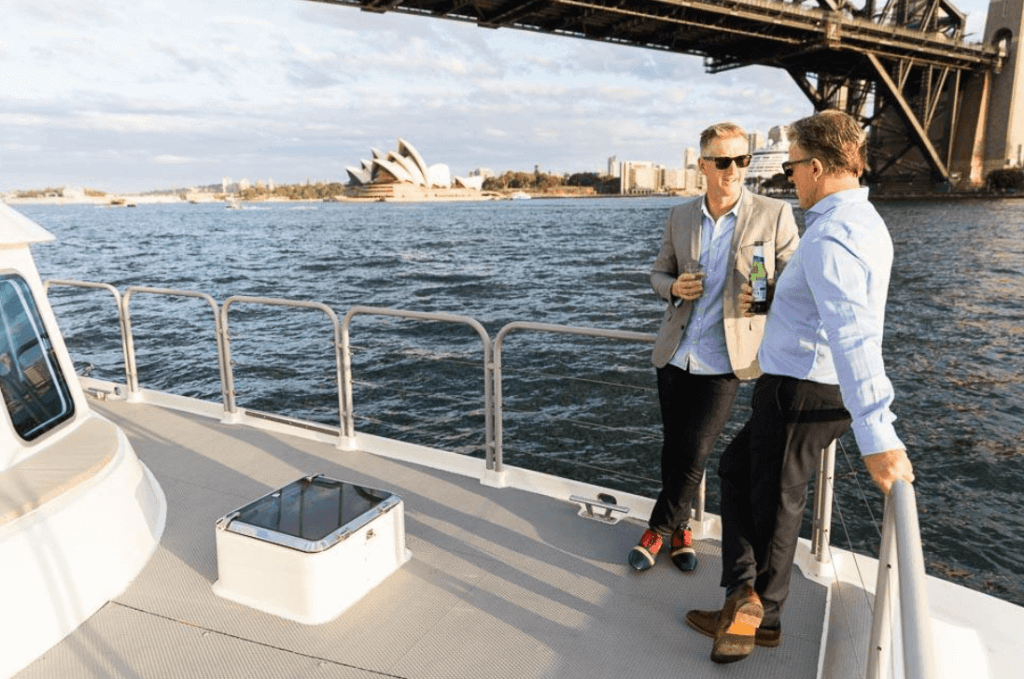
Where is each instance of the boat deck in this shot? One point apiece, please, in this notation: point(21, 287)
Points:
point(502, 582)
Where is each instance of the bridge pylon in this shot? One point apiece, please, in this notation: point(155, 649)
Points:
point(991, 132)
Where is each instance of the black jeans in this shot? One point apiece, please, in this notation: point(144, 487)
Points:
point(694, 410)
point(764, 472)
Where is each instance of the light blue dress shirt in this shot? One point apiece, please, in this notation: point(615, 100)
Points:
point(826, 320)
point(703, 350)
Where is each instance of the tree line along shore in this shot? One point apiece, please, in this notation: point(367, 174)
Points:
point(1004, 182)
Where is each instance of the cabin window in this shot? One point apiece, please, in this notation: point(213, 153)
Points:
point(33, 387)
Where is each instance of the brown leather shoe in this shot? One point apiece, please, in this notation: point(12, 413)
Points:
point(737, 626)
point(706, 622)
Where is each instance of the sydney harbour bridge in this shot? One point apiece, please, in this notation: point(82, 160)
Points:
point(942, 112)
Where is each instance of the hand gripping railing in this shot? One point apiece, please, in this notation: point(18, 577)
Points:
point(542, 327)
point(230, 405)
point(901, 572)
point(348, 425)
point(117, 299)
point(129, 340)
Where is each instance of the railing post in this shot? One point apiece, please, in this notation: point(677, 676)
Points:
point(117, 300)
point(880, 650)
point(821, 531)
point(918, 639)
point(901, 574)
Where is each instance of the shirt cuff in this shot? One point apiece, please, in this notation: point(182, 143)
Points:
point(876, 438)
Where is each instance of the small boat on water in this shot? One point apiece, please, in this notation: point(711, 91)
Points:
point(146, 534)
point(520, 195)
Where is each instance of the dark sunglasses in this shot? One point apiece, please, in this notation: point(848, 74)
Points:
point(723, 162)
point(788, 166)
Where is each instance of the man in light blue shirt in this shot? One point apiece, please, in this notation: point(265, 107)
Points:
point(823, 371)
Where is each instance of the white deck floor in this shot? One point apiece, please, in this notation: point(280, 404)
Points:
point(502, 583)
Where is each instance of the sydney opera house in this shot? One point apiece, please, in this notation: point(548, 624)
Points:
point(403, 175)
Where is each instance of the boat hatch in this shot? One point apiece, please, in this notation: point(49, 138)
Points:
point(310, 549)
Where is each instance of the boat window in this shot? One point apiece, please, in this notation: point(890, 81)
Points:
point(33, 387)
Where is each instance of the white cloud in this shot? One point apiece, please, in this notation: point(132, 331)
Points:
point(167, 159)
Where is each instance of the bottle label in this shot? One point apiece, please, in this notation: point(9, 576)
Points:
point(759, 276)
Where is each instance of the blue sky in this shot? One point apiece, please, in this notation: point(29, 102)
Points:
point(134, 95)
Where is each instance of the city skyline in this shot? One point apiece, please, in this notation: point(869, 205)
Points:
point(130, 97)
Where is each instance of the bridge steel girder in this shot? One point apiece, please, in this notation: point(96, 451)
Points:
point(906, 51)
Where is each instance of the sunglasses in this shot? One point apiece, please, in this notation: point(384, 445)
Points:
point(789, 165)
point(723, 162)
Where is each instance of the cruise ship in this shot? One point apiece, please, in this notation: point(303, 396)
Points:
point(767, 160)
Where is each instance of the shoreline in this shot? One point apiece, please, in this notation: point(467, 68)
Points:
point(134, 200)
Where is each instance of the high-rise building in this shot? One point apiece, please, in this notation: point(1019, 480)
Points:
point(613, 167)
point(755, 141)
point(690, 157)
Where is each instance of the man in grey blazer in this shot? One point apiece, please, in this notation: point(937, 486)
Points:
point(705, 345)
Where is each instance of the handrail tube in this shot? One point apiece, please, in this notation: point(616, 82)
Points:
point(230, 404)
point(117, 300)
point(821, 532)
point(348, 427)
point(498, 465)
point(917, 620)
point(129, 339)
point(901, 542)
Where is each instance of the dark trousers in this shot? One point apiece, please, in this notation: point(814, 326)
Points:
point(694, 410)
point(764, 473)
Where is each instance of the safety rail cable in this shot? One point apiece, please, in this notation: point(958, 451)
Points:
point(117, 300)
point(230, 404)
point(129, 341)
point(901, 574)
point(348, 424)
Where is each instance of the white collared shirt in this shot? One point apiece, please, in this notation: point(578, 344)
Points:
point(703, 350)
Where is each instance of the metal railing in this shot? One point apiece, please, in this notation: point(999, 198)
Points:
point(542, 327)
point(117, 300)
point(348, 428)
point(901, 592)
point(492, 374)
point(230, 404)
point(901, 563)
point(821, 528)
point(126, 327)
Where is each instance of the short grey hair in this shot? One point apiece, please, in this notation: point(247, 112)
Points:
point(719, 131)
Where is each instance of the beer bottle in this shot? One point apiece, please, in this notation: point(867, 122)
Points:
point(759, 280)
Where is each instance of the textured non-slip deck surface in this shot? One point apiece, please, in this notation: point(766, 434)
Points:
point(502, 583)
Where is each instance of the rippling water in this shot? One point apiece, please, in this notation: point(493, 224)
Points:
point(584, 408)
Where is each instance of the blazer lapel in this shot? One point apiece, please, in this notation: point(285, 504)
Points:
point(696, 223)
point(742, 222)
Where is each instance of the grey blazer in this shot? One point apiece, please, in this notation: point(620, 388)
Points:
point(758, 219)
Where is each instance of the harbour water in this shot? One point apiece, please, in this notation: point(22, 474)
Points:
point(580, 407)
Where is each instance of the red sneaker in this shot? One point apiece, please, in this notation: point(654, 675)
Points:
point(683, 554)
point(643, 556)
